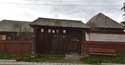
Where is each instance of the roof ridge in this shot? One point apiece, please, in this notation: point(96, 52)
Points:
point(58, 19)
point(13, 20)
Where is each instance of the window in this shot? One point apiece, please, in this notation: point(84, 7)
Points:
point(64, 31)
point(42, 30)
point(53, 31)
point(8, 38)
point(3, 37)
point(49, 30)
point(57, 31)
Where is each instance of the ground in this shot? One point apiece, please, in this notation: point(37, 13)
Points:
point(14, 62)
point(34, 63)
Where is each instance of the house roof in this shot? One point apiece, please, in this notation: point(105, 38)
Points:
point(59, 23)
point(103, 21)
point(123, 23)
point(14, 26)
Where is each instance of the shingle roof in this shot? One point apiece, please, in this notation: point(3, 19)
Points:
point(14, 26)
point(103, 21)
point(59, 23)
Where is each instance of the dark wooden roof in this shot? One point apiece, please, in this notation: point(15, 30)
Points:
point(103, 21)
point(59, 23)
point(14, 26)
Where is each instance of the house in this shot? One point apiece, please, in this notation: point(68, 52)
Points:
point(15, 37)
point(123, 23)
point(101, 35)
point(57, 36)
point(105, 35)
point(101, 25)
point(15, 30)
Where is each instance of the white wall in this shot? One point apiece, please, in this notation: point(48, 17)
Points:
point(105, 37)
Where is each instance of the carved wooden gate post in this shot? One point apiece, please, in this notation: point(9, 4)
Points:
point(35, 36)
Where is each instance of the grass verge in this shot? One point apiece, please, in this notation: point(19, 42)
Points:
point(120, 59)
point(40, 58)
point(7, 56)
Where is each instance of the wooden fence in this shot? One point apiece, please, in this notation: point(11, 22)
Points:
point(25, 47)
point(99, 47)
point(16, 47)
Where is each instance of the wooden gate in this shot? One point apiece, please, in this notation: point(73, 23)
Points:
point(74, 45)
point(58, 41)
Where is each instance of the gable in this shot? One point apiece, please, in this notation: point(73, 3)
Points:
point(103, 21)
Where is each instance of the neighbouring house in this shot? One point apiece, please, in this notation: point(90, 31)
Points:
point(106, 36)
point(15, 30)
point(123, 23)
point(15, 37)
point(58, 36)
point(101, 25)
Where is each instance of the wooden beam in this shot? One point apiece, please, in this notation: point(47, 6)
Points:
point(35, 36)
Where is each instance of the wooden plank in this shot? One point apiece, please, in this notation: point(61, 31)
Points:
point(101, 51)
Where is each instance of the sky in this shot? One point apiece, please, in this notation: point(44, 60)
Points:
point(29, 10)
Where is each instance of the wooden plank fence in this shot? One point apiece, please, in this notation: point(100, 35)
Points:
point(16, 47)
point(103, 48)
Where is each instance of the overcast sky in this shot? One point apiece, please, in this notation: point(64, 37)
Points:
point(30, 10)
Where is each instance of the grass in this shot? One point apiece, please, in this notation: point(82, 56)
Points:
point(32, 58)
point(7, 56)
point(120, 59)
point(40, 58)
